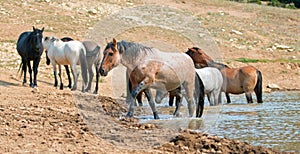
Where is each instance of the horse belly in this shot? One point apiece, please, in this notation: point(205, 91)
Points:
point(234, 88)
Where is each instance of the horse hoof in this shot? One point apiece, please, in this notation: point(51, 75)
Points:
point(155, 115)
point(129, 114)
point(73, 89)
point(176, 114)
point(35, 89)
point(95, 92)
point(31, 85)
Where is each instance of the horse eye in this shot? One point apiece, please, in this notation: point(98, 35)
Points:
point(110, 54)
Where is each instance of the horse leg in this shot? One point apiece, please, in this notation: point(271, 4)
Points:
point(129, 98)
point(30, 74)
point(151, 102)
point(189, 88)
point(35, 71)
point(69, 76)
point(220, 97)
point(97, 80)
point(227, 97)
point(178, 102)
point(210, 98)
point(75, 76)
point(216, 97)
point(24, 68)
point(249, 97)
point(59, 74)
point(171, 99)
point(91, 75)
point(139, 99)
point(54, 73)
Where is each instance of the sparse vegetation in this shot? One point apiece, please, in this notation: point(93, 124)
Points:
point(292, 4)
point(249, 60)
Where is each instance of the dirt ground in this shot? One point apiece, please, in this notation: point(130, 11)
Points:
point(60, 121)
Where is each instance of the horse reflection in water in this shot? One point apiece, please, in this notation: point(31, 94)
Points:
point(151, 68)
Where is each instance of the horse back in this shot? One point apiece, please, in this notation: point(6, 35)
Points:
point(92, 48)
point(211, 78)
point(23, 43)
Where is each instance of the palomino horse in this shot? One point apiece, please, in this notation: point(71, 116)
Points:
point(151, 68)
point(30, 48)
point(67, 53)
point(235, 80)
point(93, 57)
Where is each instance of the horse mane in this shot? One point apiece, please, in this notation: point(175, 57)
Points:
point(136, 49)
point(218, 65)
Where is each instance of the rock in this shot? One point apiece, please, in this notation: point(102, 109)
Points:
point(236, 32)
point(273, 86)
point(283, 47)
point(93, 11)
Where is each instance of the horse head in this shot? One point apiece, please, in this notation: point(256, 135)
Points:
point(111, 57)
point(36, 39)
point(199, 57)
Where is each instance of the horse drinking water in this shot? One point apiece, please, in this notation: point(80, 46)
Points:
point(30, 48)
point(152, 69)
point(235, 80)
point(67, 53)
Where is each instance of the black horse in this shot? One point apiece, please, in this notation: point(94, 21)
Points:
point(30, 48)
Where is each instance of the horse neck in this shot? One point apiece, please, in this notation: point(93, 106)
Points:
point(58, 43)
point(130, 58)
point(217, 65)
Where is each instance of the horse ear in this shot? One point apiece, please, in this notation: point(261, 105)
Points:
point(33, 28)
point(43, 29)
point(106, 40)
point(115, 42)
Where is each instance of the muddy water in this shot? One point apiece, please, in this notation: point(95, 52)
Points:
point(274, 124)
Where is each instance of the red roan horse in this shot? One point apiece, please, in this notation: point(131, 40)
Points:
point(236, 80)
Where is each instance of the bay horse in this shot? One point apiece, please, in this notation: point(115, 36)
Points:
point(245, 79)
point(93, 57)
point(152, 68)
point(30, 48)
point(67, 53)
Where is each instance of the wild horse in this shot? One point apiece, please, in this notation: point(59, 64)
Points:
point(30, 48)
point(152, 68)
point(235, 80)
point(93, 57)
point(67, 53)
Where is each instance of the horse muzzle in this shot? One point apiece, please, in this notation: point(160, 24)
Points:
point(102, 72)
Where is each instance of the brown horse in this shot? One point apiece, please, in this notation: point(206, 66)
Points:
point(245, 79)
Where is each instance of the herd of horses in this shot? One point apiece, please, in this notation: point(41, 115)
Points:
point(191, 75)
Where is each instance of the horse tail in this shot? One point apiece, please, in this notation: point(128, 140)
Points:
point(21, 66)
point(199, 89)
point(83, 65)
point(258, 87)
